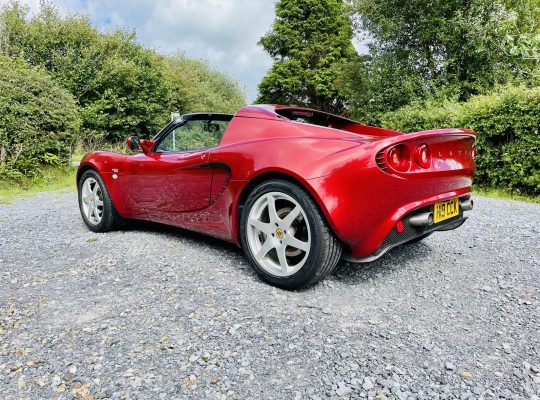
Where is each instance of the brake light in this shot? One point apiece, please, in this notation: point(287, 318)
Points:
point(422, 156)
point(399, 158)
point(473, 153)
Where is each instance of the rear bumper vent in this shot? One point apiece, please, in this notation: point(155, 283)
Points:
point(381, 160)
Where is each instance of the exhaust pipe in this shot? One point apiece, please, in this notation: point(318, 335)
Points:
point(467, 205)
point(425, 219)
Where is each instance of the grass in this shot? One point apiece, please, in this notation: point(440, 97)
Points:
point(51, 179)
point(505, 194)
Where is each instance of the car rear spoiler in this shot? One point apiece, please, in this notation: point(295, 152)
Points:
point(444, 131)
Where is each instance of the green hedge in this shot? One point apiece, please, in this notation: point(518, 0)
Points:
point(39, 120)
point(122, 88)
point(507, 123)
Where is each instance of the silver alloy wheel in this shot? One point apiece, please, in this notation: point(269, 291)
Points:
point(278, 234)
point(92, 200)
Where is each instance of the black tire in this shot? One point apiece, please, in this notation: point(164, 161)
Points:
point(325, 249)
point(107, 222)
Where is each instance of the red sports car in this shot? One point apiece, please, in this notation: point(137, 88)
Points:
point(297, 189)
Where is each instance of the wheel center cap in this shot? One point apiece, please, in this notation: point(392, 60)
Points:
point(280, 233)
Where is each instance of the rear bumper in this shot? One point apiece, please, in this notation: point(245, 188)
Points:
point(412, 231)
point(363, 206)
point(363, 198)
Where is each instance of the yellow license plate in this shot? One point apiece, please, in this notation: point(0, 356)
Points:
point(445, 210)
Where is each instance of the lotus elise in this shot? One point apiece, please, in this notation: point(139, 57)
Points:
point(297, 189)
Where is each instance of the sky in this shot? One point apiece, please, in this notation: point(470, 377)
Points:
point(223, 32)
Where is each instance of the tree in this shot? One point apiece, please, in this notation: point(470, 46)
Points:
point(443, 48)
point(4, 37)
point(376, 83)
point(197, 87)
point(39, 120)
point(119, 85)
point(310, 42)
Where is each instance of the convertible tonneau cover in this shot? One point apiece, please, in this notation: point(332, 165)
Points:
point(315, 117)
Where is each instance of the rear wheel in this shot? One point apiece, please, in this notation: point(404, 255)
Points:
point(285, 237)
point(95, 203)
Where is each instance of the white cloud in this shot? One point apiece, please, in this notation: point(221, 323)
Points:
point(224, 32)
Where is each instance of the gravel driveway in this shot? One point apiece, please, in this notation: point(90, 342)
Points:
point(160, 313)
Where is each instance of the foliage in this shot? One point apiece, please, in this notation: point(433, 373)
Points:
point(443, 49)
point(507, 123)
point(199, 88)
point(50, 178)
point(39, 120)
point(374, 85)
point(310, 43)
point(194, 134)
point(121, 87)
point(505, 194)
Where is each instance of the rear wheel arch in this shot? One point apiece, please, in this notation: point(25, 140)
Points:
point(300, 249)
point(275, 175)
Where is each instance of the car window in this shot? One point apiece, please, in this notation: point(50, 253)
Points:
point(193, 135)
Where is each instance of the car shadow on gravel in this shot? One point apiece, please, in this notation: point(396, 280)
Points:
point(183, 234)
point(224, 248)
point(391, 262)
point(345, 272)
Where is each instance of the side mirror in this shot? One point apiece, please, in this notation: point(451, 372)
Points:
point(147, 146)
point(134, 143)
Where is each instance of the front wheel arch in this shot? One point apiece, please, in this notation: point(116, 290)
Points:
point(118, 219)
point(82, 170)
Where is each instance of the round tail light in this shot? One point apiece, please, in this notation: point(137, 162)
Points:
point(399, 158)
point(422, 156)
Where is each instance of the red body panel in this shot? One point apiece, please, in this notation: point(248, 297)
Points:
point(361, 197)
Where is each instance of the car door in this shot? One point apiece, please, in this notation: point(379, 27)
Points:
point(176, 175)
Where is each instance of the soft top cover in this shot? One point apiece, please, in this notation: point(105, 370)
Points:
point(310, 116)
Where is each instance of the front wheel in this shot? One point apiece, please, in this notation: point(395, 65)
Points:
point(95, 203)
point(285, 237)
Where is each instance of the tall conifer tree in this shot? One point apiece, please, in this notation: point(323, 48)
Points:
point(310, 41)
